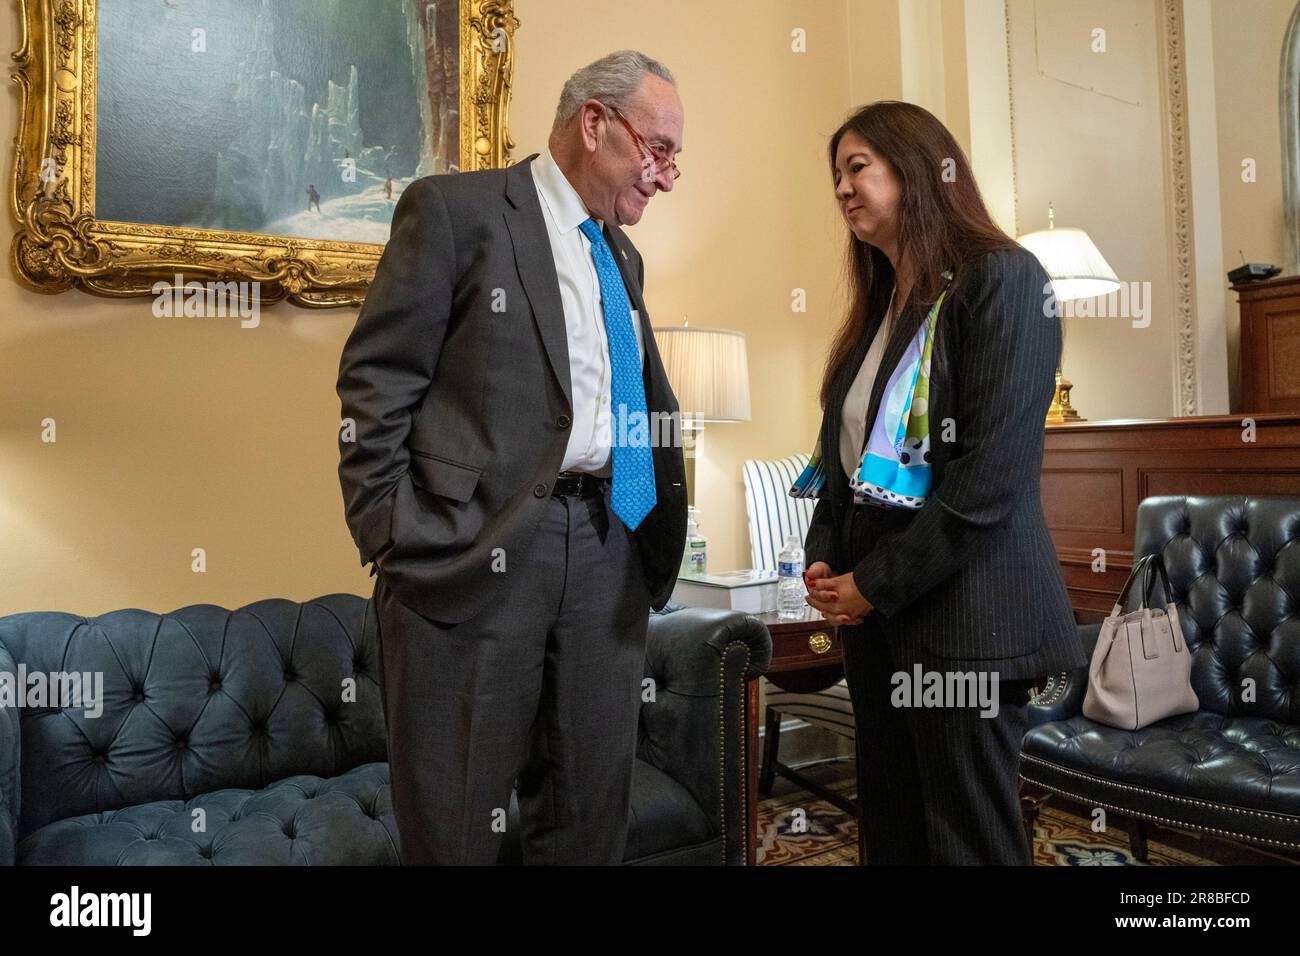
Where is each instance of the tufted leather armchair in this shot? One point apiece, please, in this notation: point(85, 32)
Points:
point(256, 736)
point(1233, 767)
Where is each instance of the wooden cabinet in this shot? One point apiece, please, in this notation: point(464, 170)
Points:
point(1095, 473)
point(1269, 356)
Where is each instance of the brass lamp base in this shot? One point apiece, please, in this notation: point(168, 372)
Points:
point(1061, 411)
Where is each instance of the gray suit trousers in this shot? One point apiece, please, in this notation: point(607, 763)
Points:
point(542, 689)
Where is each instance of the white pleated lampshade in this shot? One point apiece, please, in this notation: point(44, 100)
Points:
point(708, 370)
point(1072, 259)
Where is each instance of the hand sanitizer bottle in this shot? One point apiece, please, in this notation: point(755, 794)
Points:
point(690, 532)
point(695, 559)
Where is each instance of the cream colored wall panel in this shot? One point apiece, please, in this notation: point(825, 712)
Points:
point(1099, 159)
point(1098, 46)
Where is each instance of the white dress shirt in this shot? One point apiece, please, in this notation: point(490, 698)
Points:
point(853, 416)
point(589, 367)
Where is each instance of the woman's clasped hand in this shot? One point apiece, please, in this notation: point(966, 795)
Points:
point(836, 596)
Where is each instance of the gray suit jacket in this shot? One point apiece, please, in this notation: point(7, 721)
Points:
point(457, 378)
point(972, 575)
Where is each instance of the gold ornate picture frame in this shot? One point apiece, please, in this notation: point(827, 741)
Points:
point(61, 243)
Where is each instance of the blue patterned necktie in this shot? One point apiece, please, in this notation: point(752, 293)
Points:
point(633, 493)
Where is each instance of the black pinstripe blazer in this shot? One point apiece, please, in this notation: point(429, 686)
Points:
point(972, 575)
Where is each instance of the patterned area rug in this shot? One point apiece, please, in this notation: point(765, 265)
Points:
point(797, 829)
point(1062, 838)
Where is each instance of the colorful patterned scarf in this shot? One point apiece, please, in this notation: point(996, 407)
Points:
point(895, 466)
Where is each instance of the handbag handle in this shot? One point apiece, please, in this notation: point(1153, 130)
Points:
point(1154, 561)
point(1141, 564)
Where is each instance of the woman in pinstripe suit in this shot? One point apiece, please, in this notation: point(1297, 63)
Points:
point(955, 591)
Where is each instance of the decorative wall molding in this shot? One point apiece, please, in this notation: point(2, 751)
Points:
point(1288, 104)
point(1011, 110)
point(1178, 203)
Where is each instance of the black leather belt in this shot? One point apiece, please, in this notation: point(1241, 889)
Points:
point(578, 484)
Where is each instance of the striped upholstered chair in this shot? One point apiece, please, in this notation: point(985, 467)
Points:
point(773, 514)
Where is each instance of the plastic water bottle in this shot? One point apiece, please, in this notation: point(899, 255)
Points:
point(790, 589)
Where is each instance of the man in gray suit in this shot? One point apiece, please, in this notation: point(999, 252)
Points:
point(516, 476)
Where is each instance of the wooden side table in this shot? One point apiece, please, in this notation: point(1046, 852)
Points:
point(805, 658)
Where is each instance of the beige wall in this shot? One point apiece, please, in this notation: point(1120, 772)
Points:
point(988, 102)
point(1247, 53)
point(191, 433)
point(1088, 139)
point(875, 51)
point(1088, 131)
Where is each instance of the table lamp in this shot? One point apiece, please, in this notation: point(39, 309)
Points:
point(708, 370)
point(1078, 271)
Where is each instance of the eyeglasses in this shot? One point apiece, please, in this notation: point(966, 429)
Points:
point(661, 162)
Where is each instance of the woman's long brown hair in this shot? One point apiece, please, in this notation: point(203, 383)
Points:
point(942, 221)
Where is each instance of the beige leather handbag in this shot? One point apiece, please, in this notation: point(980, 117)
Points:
point(1141, 669)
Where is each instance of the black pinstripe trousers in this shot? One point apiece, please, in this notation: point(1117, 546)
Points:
point(938, 785)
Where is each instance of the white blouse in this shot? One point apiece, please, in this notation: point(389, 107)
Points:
point(853, 416)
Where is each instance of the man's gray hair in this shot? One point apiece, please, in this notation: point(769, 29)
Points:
point(612, 79)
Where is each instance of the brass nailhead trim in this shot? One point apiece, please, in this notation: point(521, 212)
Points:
point(1057, 684)
point(1163, 796)
point(722, 751)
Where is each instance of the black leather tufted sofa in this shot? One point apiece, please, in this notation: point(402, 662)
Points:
point(1233, 767)
point(225, 738)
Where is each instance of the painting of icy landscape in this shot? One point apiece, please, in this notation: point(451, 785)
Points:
point(284, 117)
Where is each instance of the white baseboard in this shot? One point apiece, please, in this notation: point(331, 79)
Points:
point(802, 742)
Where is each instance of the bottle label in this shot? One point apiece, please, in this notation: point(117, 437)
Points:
point(791, 569)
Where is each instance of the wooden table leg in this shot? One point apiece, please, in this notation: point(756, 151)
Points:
point(751, 772)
